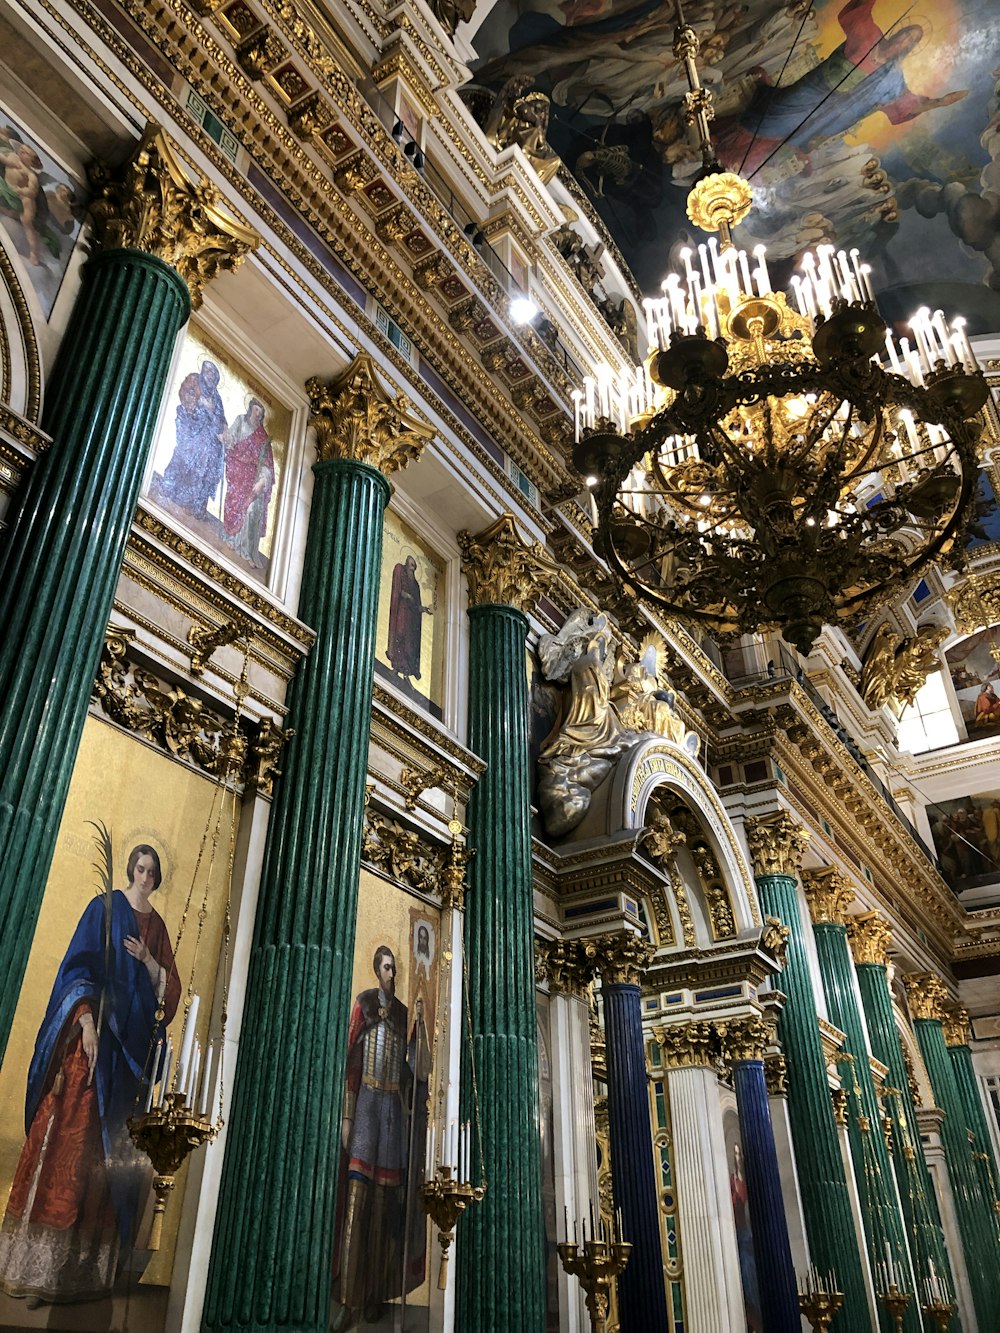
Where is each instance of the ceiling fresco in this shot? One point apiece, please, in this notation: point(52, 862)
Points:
point(875, 123)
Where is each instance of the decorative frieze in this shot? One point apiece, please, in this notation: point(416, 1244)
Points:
point(502, 568)
point(777, 844)
point(356, 418)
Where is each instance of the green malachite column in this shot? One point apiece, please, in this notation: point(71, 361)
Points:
point(869, 935)
point(273, 1246)
point(62, 555)
point(501, 1241)
point(976, 1218)
point(776, 846)
point(828, 895)
point(956, 1036)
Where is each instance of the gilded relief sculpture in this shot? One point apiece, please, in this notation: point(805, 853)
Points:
point(603, 716)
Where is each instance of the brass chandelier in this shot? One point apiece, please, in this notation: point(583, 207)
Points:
point(777, 464)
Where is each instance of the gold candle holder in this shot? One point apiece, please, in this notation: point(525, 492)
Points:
point(445, 1199)
point(941, 1312)
point(597, 1265)
point(896, 1301)
point(819, 1307)
point(166, 1134)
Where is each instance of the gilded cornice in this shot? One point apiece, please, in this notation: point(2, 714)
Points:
point(502, 568)
point(566, 966)
point(693, 1045)
point(621, 957)
point(355, 417)
point(150, 203)
point(777, 844)
point(747, 1038)
point(926, 994)
point(868, 935)
point(956, 1027)
point(29, 436)
point(828, 895)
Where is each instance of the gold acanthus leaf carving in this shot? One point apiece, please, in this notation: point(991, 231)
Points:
point(265, 751)
point(956, 1027)
point(688, 1045)
point(620, 957)
point(355, 417)
point(868, 935)
point(151, 204)
point(828, 895)
point(502, 568)
point(774, 939)
point(776, 1074)
point(777, 844)
point(565, 965)
point(926, 994)
point(401, 853)
point(747, 1038)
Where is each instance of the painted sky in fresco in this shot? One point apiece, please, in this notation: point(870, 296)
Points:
point(875, 122)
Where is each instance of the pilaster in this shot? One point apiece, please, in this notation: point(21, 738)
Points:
point(501, 1243)
point(274, 1236)
point(777, 844)
point(158, 237)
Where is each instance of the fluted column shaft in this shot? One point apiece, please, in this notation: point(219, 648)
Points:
point(975, 1212)
point(642, 1301)
point(501, 1246)
point(772, 1251)
point(920, 1211)
point(872, 1167)
point(272, 1253)
point(968, 1090)
point(60, 561)
point(833, 1241)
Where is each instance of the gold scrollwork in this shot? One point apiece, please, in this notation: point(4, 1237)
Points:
point(151, 204)
point(502, 568)
point(354, 417)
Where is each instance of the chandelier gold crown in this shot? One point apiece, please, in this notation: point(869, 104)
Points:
point(779, 462)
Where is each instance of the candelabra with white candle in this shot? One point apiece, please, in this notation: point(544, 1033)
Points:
point(598, 1262)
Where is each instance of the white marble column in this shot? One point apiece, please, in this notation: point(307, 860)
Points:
point(712, 1291)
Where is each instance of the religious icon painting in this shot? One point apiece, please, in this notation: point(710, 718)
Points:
point(220, 454)
point(985, 525)
point(103, 990)
point(741, 1213)
point(381, 1270)
point(966, 835)
point(974, 667)
point(41, 208)
point(410, 647)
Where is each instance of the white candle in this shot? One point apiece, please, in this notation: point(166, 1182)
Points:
point(968, 355)
point(741, 256)
point(165, 1080)
point(154, 1067)
point(187, 1042)
point(206, 1080)
point(763, 277)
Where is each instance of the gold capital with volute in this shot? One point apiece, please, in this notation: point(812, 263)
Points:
point(956, 1027)
point(565, 965)
point(355, 417)
point(868, 935)
point(621, 957)
point(688, 1045)
point(150, 203)
point(828, 895)
point(777, 844)
point(502, 568)
point(747, 1038)
point(926, 994)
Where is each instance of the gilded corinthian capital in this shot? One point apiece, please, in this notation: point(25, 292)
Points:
point(150, 203)
point(828, 895)
point(956, 1027)
point(502, 568)
point(869, 936)
point(621, 958)
point(565, 965)
point(355, 417)
point(688, 1045)
point(747, 1038)
point(926, 994)
point(777, 844)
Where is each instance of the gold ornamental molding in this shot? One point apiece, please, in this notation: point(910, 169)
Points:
point(502, 568)
point(975, 603)
point(621, 958)
point(694, 1045)
point(747, 1038)
point(355, 417)
point(956, 1027)
point(777, 844)
point(776, 1074)
point(926, 994)
point(838, 1099)
point(868, 935)
point(828, 895)
point(565, 965)
point(150, 203)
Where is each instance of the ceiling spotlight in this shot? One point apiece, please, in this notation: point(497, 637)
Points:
point(523, 309)
point(398, 131)
point(410, 148)
point(418, 160)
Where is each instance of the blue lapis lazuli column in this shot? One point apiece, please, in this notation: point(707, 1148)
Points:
point(772, 1250)
point(642, 1301)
